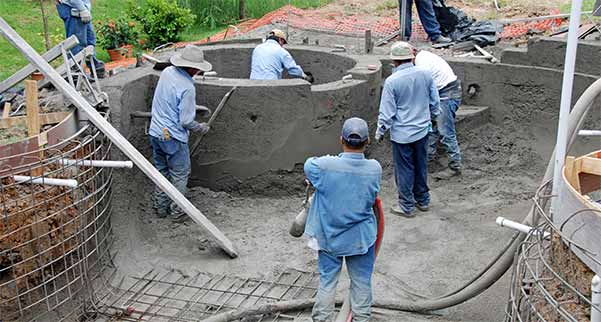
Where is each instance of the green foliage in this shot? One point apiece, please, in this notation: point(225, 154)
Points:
point(211, 13)
point(113, 34)
point(161, 20)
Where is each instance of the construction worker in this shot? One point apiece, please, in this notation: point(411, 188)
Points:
point(449, 91)
point(269, 59)
point(341, 223)
point(427, 16)
point(408, 105)
point(173, 113)
point(77, 18)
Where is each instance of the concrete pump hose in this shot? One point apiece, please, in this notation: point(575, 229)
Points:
point(498, 267)
point(504, 262)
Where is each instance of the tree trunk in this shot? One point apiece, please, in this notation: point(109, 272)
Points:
point(241, 10)
point(45, 22)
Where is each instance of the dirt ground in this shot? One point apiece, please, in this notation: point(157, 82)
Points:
point(479, 9)
point(431, 254)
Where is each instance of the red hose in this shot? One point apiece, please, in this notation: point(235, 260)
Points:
point(379, 212)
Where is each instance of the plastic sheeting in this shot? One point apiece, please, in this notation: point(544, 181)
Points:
point(454, 23)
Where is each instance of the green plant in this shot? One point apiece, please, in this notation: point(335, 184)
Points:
point(161, 20)
point(113, 34)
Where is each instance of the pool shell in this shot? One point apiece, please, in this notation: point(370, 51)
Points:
point(267, 126)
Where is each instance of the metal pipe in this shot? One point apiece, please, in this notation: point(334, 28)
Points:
point(589, 133)
point(596, 299)
point(504, 222)
point(566, 98)
point(71, 183)
point(96, 163)
point(402, 19)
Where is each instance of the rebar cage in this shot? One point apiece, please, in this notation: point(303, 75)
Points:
point(549, 282)
point(54, 239)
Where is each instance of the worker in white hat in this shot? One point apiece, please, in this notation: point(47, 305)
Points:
point(173, 117)
point(269, 59)
point(409, 104)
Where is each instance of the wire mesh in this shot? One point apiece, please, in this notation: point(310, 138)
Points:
point(53, 238)
point(548, 283)
point(171, 296)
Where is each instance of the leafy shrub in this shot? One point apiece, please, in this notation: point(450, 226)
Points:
point(116, 33)
point(161, 20)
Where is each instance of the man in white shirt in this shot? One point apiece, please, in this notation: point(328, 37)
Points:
point(449, 90)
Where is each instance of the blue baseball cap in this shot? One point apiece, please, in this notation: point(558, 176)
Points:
point(355, 131)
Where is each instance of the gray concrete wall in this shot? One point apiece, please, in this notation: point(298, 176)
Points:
point(234, 61)
point(550, 52)
point(266, 129)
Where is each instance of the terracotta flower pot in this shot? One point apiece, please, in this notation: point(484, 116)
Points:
point(121, 53)
point(37, 76)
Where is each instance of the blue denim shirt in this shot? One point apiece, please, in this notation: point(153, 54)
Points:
point(78, 4)
point(409, 102)
point(341, 216)
point(269, 60)
point(174, 105)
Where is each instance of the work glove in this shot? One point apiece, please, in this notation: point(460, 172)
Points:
point(85, 16)
point(378, 138)
point(308, 77)
point(203, 128)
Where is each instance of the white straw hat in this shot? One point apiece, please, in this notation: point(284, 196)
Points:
point(191, 57)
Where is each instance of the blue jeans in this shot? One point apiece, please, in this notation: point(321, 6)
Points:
point(360, 269)
point(172, 159)
point(83, 31)
point(411, 173)
point(445, 132)
point(425, 10)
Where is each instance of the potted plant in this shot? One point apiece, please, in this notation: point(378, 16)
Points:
point(117, 37)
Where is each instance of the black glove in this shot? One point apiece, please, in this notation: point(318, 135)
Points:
point(309, 77)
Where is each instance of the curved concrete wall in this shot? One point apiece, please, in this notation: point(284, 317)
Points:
point(550, 52)
point(234, 61)
point(267, 127)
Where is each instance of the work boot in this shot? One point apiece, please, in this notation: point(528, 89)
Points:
point(442, 40)
point(455, 166)
point(423, 208)
point(396, 210)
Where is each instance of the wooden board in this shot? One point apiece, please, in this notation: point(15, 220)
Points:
point(33, 109)
point(6, 110)
point(44, 119)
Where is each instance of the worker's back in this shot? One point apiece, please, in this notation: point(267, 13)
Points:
point(269, 60)
point(341, 217)
point(409, 94)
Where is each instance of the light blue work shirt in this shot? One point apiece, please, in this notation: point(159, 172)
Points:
point(269, 60)
point(341, 217)
point(174, 105)
point(80, 5)
point(409, 102)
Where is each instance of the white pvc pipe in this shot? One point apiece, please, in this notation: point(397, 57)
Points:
point(504, 222)
point(596, 299)
point(97, 163)
point(589, 133)
point(47, 181)
point(566, 98)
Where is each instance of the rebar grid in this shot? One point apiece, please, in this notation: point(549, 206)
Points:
point(172, 296)
point(53, 237)
point(539, 291)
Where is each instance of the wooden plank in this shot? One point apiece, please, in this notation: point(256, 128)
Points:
point(45, 119)
point(49, 56)
point(591, 165)
point(6, 110)
point(33, 109)
point(571, 173)
point(122, 143)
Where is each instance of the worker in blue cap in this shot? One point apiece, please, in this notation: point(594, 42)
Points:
point(341, 224)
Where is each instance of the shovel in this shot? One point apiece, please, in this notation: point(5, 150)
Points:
point(224, 100)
